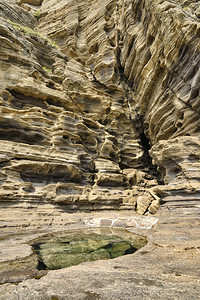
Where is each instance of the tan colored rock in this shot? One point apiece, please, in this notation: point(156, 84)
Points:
point(154, 206)
point(85, 115)
point(178, 159)
point(99, 121)
point(109, 179)
point(143, 202)
point(33, 2)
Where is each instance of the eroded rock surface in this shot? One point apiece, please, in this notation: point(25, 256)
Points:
point(166, 268)
point(99, 110)
point(87, 89)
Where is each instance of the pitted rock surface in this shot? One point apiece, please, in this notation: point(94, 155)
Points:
point(87, 89)
point(99, 111)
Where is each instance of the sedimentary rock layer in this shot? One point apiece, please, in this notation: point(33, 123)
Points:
point(91, 92)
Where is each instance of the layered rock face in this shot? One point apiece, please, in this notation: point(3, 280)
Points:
point(91, 92)
point(99, 105)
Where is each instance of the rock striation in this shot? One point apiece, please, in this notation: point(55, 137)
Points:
point(99, 119)
point(99, 104)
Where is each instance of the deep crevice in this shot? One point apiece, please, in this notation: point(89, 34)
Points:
point(152, 169)
point(145, 143)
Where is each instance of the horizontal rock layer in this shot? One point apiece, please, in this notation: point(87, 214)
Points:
point(99, 110)
point(87, 89)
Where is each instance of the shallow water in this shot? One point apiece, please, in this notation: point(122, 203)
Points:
point(74, 247)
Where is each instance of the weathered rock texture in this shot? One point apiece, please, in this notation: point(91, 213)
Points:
point(99, 109)
point(166, 268)
point(87, 89)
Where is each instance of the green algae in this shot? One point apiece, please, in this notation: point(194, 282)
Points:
point(81, 246)
point(64, 249)
point(30, 32)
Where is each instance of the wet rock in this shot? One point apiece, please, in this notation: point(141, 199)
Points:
point(62, 252)
point(99, 111)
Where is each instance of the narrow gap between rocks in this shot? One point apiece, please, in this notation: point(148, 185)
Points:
point(144, 141)
point(152, 169)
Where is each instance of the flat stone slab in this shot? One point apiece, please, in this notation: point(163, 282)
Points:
point(139, 222)
point(166, 268)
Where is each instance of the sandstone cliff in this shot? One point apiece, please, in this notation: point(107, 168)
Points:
point(99, 105)
point(99, 121)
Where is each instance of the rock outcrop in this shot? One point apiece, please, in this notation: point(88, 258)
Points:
point(87, 89)
point(79, 114)
point(99, 110)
